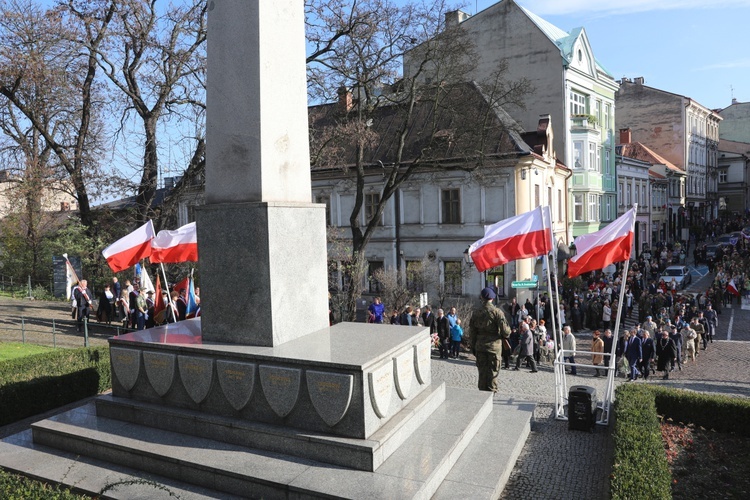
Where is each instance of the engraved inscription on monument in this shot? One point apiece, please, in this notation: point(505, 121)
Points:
point(330, 393)
point(159, 370)
point(237, 381)
point(280, 387)
point(381, 389)
point(196, 374)
point(403, 366)
point(126, 364)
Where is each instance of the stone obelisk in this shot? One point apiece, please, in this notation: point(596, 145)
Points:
point(262, 243)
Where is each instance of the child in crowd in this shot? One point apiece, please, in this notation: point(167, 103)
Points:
point(457, 333)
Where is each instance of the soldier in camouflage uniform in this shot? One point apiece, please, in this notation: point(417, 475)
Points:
point(488, 328)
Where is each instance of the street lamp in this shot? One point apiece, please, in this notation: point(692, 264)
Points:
point(467, 258)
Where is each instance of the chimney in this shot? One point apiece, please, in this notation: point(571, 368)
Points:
point(454, 18)
point(625, 136)
point(345, 100)
point(734, 100)
point(638, 80)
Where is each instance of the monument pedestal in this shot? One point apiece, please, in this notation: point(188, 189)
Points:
point(265, 266)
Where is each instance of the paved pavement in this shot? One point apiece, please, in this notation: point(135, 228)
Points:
point(555, 462)
point(562, 464)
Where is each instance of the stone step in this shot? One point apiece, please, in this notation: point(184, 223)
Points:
point(415, 470)
point(18, 454)
point(362, 454)
point(485, 467)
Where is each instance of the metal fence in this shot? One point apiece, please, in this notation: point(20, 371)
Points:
point(57, 333)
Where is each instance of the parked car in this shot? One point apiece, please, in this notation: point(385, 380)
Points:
point(711, 251)
point(681, 274)
point(726, 240)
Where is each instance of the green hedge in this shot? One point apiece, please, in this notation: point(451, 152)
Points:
point(14, 487)
point(640, 469)
point(42, 382)
point(721, 413)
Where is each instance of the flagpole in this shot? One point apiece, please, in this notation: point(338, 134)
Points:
point(549, 279)
point(169, 297)
point(623, 282)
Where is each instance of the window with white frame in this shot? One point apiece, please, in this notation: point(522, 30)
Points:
point(608, 208)
point(593, 208)
point(371, 207)
point(619, 194)
point(607, 165)
point(374, 286)
point(452, 279)
point(577, 103)
point(598, 111)
point(637, 192)
point(607, 111)
point(628, 195)
point(451, 206)
point(592, 156)
point(722, 176)
point(578, 207)
point(643, 196)
point(598, 163)
point(578, 154)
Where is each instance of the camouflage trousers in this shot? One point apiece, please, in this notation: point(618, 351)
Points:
point(488, 364)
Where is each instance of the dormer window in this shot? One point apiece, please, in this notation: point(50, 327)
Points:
point(580, 55)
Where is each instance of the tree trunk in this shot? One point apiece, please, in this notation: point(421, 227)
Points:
point(147, 186)
point(358, 267)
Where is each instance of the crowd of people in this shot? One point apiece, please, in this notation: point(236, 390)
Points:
point(445, 329)
point(130, 305)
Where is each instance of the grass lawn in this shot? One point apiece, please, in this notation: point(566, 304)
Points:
point(11, 350)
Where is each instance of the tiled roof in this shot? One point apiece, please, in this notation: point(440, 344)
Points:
point(641, 152)
point(436, 133)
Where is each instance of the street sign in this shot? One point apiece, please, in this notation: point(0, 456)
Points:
point(524, 284)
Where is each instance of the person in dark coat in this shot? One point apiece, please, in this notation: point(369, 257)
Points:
point(443, 329)
point(104, 311)
point(648, 354)
point(576, 316)
point(428, 319)
point(665, 353)
point(676, 337)
point(634, 353)
point(82, 294)
point(608, 340)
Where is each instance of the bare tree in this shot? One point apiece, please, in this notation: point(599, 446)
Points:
point(155, 58)
point(368, 42)
point(51, 85)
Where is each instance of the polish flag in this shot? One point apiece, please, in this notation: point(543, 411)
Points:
point(71, 278)
point(604, 247)
point(129, 249)
point(732, 288)
point(180, 245)
point(519, 237)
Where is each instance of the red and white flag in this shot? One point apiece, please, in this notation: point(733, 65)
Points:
point(129, 249)
point(604, 247)
point(732, 288)
point(180, 245)
point(519, 237)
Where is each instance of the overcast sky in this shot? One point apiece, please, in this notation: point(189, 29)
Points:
point(696, 48)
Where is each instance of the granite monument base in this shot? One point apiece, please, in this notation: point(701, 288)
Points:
point(307, 419)
point(274, 287)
